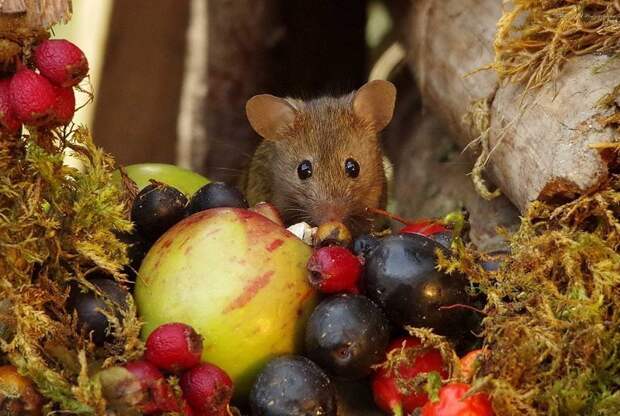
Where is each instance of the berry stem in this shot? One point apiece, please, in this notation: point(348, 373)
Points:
point(397, 410)
point(384, 213)
point(460, 305)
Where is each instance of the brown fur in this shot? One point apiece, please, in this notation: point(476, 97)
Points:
point(326, 132)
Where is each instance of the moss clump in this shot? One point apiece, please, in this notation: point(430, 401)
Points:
point(58, 225)
point(535, 38)
point(552, 328)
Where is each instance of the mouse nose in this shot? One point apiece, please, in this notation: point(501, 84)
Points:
point(328, 211)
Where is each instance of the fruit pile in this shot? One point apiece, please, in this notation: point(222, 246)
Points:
point(348, 334)
point(229, 297)
point(371, 288)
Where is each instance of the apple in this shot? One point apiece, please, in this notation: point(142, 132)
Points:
point(184, 180)
point(239, 279)
point(269, 211)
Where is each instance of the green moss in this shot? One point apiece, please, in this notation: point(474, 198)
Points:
point(553, 314)
point(57, 224)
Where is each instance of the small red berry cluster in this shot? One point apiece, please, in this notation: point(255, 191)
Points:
point(44, 98)
point(176, 348)
point(406, 360)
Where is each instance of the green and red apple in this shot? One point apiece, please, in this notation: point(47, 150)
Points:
point(239, 279)
point(184, 180)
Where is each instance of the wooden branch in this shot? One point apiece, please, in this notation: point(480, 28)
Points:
point(13, 7)
point(431, 181)
point(539, 141)
point(35, 14)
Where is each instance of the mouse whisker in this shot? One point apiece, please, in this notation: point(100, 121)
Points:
point(222, 168)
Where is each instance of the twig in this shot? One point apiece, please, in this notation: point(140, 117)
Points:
point(460, 305)
point(384, 213)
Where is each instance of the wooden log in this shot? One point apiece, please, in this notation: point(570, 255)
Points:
point(431, 172)
point(540, 140)
point(138, 100)
point(431, 181)
point(20, 15)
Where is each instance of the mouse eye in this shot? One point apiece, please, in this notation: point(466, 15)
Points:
point(304, 170)
point(352, 168)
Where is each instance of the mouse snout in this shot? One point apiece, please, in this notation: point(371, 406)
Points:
point(328, 211)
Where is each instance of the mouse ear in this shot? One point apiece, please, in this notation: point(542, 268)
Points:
point(374, 102)
point(270, 116)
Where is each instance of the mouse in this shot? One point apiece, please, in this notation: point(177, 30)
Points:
point(320, 160)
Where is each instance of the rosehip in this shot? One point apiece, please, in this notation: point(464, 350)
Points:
point(32, 97)
point(120, 388)
point(8, 120)
point(160, 396)
point(334, 269)
point(452, 403)
point(174, 347)
point(64, 106)
point(207, 389)
point(61, 62)
point(412, 361)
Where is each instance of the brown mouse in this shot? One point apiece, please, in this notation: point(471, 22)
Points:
point(321, 159)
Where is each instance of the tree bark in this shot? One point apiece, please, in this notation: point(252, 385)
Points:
point(540, 140)
point(240, 37)
point(138, 100)
point(33, 14)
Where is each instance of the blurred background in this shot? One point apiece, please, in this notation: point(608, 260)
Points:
point(153, 63)
point(171, 79)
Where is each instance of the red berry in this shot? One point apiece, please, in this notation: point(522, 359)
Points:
point(432, 229)
point(9, 122)
point(334, 269)
point(207, 389)
point(174, 347)
point(61, 62)
point(424, 227)
point(64, 107)
point(159, 397)
point(387, 394)
point(32, 97)
point(186, 409)
point(451, 403)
